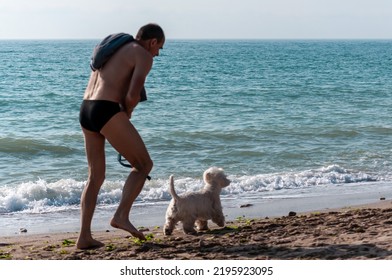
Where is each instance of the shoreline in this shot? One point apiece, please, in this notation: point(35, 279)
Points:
point(249, 207)
point(353, 232)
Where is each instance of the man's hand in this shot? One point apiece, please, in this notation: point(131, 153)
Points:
point(128, 112)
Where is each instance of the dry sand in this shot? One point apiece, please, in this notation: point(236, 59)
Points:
point(360, 232)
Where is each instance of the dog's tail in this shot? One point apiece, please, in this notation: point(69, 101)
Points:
point(171, 189)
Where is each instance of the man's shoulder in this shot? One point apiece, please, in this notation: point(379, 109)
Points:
point(137, 51)
point(134, 46)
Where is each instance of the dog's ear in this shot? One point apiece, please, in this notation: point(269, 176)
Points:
point(208, 177)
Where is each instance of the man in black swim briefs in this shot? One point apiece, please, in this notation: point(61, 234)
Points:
point(112, 93)
point(94, 114)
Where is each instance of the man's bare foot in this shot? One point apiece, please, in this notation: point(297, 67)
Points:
point(89, 243)
point(127, 226)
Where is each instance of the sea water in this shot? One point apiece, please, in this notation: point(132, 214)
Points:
point(285, 119)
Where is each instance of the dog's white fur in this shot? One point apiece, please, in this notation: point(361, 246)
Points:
point(196, 208)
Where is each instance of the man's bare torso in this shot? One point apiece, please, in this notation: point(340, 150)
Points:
point(113, 81)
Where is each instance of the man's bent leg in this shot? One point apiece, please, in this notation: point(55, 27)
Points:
point(123, 136)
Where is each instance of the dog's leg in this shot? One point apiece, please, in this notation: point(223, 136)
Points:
point(202, 225)
point(219, 219)
point(188, 226)
point(169, 226)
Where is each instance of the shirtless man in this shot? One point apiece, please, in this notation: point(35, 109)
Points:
point(111, 95)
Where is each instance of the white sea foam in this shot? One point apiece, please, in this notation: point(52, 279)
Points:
point(42, 197)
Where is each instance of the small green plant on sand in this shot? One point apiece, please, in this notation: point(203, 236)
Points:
point(5, 256)
point(67, 243)
point(242, 219)
point(110, 247)
point(49, 248)
point(232, 227)
point(149, 236)
point(139, 242)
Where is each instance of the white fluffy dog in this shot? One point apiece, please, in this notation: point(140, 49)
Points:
point(197, 207)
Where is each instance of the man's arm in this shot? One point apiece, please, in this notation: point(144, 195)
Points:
point(142, 68)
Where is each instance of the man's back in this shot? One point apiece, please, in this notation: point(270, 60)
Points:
point(112, 81)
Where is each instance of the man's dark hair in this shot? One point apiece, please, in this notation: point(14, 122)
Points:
point(150, 31)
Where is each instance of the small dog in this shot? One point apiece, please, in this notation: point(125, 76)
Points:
point(196, 208)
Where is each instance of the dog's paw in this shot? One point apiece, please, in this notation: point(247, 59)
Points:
point(190, 231)
point(202, 225)
point(220, 223)
point(203, 228)
point(167, 231)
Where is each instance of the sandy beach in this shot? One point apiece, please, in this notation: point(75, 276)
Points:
point(349, 233)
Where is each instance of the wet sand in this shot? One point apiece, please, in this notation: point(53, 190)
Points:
point(357, 232)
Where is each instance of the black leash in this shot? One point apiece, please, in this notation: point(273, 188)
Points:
point(123, 163)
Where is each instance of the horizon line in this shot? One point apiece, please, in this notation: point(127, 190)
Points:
point(209, 39)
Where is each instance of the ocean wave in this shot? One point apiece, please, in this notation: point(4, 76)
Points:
point(27, 145)
point(42, 196)
point(330, 175)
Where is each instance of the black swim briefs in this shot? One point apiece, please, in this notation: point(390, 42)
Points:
point(94, 114)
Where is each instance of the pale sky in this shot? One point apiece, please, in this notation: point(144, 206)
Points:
point(198, 19)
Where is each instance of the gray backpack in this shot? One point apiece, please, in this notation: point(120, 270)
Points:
point(107, 47)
